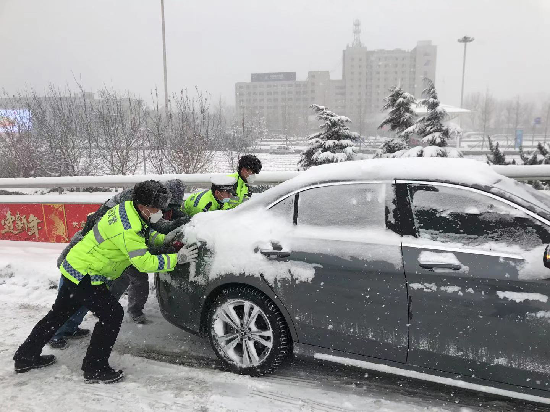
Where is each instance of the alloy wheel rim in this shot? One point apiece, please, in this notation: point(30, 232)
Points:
point(242, 332)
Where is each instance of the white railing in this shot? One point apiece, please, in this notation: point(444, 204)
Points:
point(522, 172)
point(518, 172)
point(197, 179)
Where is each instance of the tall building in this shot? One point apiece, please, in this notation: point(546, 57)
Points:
point(366, 77)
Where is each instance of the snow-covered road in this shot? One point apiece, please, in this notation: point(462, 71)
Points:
point(168, 369)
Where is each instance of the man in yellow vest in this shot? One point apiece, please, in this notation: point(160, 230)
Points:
point(215, 198)
point(118, 240)
point(249, 166)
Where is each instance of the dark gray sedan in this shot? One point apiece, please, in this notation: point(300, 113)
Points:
point(430, 268)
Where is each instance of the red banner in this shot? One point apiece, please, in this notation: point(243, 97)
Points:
point(55, 223)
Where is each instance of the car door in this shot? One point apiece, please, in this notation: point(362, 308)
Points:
point(355, 298)
point(473, 264)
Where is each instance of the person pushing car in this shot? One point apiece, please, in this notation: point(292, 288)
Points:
point(117, 241)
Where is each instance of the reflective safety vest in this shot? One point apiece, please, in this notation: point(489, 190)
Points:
point(241, 191)
point(117, 241)
point(202, 202)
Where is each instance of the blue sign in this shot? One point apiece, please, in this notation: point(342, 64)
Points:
point(537, 120)
point(519, 138)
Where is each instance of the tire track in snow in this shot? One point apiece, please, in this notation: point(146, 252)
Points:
point(301, 402)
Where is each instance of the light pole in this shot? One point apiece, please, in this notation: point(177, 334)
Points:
point(164, 57)
point(464, 40)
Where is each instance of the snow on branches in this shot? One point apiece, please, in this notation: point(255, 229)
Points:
point(334, 143)
point(428, 151)
point(430, 127)
point(401, 114)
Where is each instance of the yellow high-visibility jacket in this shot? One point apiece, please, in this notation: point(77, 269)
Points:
point(117, 241)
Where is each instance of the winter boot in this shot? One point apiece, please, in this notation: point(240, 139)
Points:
point(105, 375)
point(25, 365)
point(78, 333)
point(139, 318)
point(58, 343)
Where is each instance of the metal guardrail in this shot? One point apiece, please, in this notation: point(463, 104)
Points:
point(522, 172)
point(518, 172)
point(197, 179)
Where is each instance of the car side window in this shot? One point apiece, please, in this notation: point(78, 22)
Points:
point(284, 209)
point(461, 216)
point(355, 206)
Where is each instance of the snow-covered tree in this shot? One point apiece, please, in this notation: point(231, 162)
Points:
point(393, 145)
point(533, 159)
point(529, 160)
point(401, 114)
point(430, 127)
point(496, 157)
point(334, 143)
point(428, 151)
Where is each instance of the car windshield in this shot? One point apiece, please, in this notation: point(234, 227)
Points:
point(524, 193)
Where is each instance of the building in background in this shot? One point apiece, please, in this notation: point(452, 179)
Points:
point(367, 75)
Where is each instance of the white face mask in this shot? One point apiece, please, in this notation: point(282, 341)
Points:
point(251, 178)
point(155, 217)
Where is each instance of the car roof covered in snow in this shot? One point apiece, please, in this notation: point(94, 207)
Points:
point(453, 170)
point(466, 172)
point(456, 170)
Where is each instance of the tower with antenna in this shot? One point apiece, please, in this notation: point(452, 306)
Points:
point(356, 33)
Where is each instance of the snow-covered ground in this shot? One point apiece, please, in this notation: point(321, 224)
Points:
point(168, 369)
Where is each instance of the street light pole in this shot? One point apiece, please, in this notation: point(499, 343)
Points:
point(164, 57)
point(546, 123)
point(464, 40)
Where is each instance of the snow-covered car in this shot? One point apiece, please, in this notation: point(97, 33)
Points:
point(281, 149)
point(431, 268)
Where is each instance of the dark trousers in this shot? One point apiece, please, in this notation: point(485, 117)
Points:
point(137, 284)
point(70, 298)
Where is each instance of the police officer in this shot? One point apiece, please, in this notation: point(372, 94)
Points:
point(173, 216)
point(117, 241)
point(216, 198)
point(132, 280)
point(249, 166)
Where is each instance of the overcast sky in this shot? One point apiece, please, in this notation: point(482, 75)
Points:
point(213, 44)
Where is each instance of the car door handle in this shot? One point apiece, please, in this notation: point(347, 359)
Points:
point(275, 254)
point(435, 265)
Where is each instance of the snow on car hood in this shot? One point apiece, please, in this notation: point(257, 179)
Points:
point(236, 240)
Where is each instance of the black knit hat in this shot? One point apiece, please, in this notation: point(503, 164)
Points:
point(250, 162)
point(177, 190)
point(151, 193)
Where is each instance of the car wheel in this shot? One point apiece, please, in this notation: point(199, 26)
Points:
point(248, 332)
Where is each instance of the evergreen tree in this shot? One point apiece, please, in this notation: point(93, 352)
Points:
point(528, 160)
point(393, 145)
point(496, 157)
point(401, 115)
point(427, 151)
point(533, 159)
point(430, 127)
point(334, 143)
point(545, 153)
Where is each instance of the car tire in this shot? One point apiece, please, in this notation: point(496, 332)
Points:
point(247, 331)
